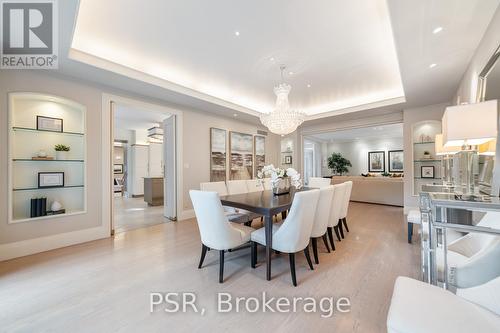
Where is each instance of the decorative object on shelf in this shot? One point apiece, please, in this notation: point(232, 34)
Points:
point(376, 161)
point(41, 153)
point(282, 120)
point(338, 164)
point(218, 151)
point(38, 207)
point(385, 174)
point(424, 138)
point(56, 206)
point(396, 161)
point(49, 124)
point(61, 151)
point(288, 159)
point(50, 179)
point(260, 152)
point(241, 156)
point(118, 169)
point(427, 155)
point(47, 158)
point(155, 133)
point(281, 179)
point(427, 171)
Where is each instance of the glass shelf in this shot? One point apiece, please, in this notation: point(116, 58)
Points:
point(46, 188)
point(38, 131)
point(31, 160)
point(424, 143)
point(437, 178)
point(424, 160)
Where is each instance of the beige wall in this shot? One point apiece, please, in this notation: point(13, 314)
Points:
point(411, 117)
point(467, 90)
point(196, 147)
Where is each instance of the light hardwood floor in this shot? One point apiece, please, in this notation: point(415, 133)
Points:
point(104, 286)
point(134, 213)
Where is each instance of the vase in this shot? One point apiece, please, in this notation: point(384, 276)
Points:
point(282, 186)
point(61, 155)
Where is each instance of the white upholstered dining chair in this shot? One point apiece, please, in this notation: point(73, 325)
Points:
point(255, 185)
point(345, 208)
point(319, 182)
point(336, 211)
point(237, 186)
point(293, 234)
point(215, 229)
point(321, 219)
point(267, 184)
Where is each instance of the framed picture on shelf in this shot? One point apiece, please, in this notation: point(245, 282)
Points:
point(218, 154)
point(396, 161)
point(288, 159)
point(49, 124)
point(241, 157)
point(50, 179)
point(427, 171)
point(118, 169)
point(376, 161)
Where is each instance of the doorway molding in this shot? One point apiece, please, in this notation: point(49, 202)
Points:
point(106, 152)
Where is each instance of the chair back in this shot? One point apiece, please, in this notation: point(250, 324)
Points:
point(219, 187)
point(337, 204)
point(215, 230)
point(267, 184)
point(237, 186)
point(294, 234)
point(255, 185)
point(323, 210)
point(319, 182)
point(483, 295)
point(347, 199)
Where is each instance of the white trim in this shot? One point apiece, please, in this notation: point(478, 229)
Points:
point(41, 244)
point(107, 142)
point(186, 215)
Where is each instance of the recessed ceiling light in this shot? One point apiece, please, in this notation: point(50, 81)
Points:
point(309, 86)
point(437, 30)
point(432, 65)
point(236, 33)
point(290, 73)
point(272, 58)
point(235, 115)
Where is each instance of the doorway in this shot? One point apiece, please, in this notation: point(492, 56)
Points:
point(143, 165)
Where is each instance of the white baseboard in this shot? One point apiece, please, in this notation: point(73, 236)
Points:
point(36, 245)
point(186, 214)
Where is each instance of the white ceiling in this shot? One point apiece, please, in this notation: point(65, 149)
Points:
point(464, 24)
point(129, 118)
point(365, 133)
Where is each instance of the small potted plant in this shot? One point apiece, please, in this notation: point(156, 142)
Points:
point(61, 152)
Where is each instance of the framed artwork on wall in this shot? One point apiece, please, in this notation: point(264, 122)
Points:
point(218, 149)
point(396, 161)
point(259, 143)
point(49, 124)
point(376, 161)
point(288, 159)
point(50, 179)
point(241, 158)
point(427, 171)
point(117, 169)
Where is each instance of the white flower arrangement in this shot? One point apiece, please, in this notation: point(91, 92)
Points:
point(277, 174)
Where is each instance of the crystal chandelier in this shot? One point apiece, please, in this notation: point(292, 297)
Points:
point(282, 120)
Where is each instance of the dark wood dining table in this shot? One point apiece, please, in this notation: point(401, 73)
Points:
point(267, 204)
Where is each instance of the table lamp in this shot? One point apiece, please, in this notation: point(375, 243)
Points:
point(447, 156)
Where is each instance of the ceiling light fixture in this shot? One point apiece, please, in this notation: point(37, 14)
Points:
point(236, 33)
point(290, 73)
point(309, 86)
point(437, 30)
point(282, 120)
point(432, 65)
point(235, 115)
point(272, 59)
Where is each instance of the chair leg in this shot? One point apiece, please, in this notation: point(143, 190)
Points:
point(203, 253)
point(341, 229)
point(254, 254)
point(345, 224)
point(330, 236)
point(292, 268)
point(410, 232)
point(221, 266)
point(283, 215)
point(336, 228)
point(308, 257)
point(325, 241)
point(315, 250)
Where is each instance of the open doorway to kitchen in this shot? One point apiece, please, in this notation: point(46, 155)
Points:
point(143, 166)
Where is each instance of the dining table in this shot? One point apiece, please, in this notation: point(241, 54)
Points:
point(267, 204)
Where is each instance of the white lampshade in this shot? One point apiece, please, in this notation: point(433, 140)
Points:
point(442, 150)
point(470, 124)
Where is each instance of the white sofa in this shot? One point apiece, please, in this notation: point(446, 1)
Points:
point(379, 190)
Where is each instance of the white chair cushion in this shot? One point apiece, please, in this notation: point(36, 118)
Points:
point(259, 235)
point(417, 307)
point(414, 217)
point(486, 295)
point(244, 231)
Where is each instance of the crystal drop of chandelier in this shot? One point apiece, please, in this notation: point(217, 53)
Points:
point(282, 120)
